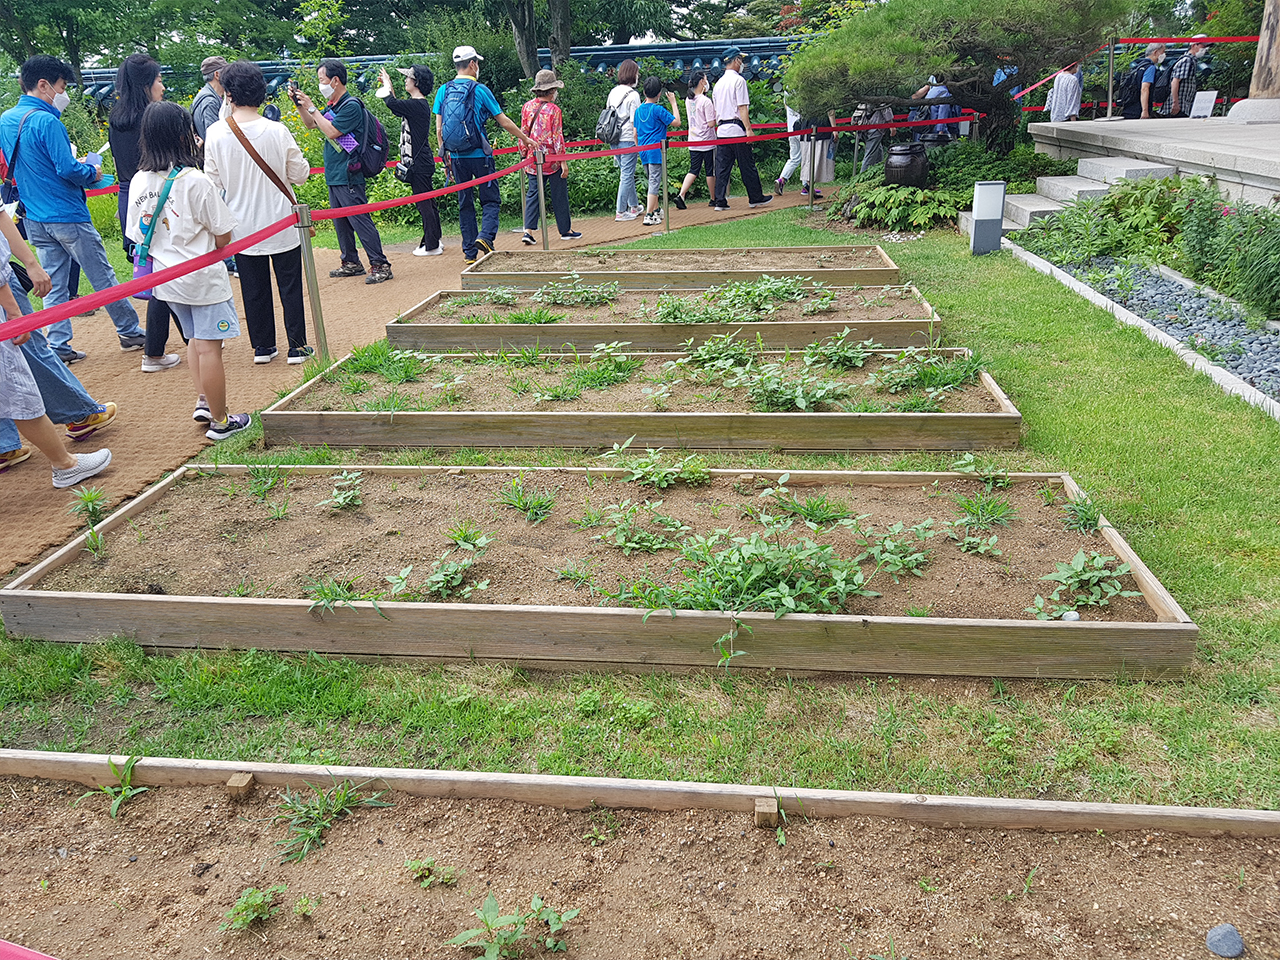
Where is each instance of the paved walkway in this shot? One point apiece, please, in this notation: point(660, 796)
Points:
point(154, 433)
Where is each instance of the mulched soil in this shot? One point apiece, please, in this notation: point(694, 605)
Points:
point(158, 881)
point(854, 306)
point(404, 521)
point(470, 385)
point(718, 261)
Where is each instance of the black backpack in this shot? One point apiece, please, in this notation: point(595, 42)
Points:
point(370, 158)
point(1131, 84)
point(609, 127)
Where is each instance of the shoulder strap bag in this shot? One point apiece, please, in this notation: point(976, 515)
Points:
point(143, 264)
point(262, 165)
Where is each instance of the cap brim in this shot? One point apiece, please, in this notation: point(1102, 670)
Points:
point(405, 71)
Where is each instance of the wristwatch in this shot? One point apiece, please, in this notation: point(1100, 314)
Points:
point(311, 109)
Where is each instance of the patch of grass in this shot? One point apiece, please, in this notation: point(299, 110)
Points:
point(535, 504)
point(308, 816)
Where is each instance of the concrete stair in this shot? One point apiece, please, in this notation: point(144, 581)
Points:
point(1022, 208)
point(966, 224)
point(1070, 189)
point(1111, 169)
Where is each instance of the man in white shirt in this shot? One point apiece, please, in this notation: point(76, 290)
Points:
point(732, 103)
point(1064, 98)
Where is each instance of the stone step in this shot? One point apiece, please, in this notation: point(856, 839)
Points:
point(1111, 169)
point(1022, 208)
point(966, 224)
point(1068, 189)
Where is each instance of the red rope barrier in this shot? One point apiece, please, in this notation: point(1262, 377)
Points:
point(415, 198)
point(64, 311)
point(1187, 40)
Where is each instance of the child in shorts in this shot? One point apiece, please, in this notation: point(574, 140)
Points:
point(194, 220)
point(652, 120)
point(20, 399)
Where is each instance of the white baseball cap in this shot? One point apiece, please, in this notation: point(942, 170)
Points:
point(465, 54)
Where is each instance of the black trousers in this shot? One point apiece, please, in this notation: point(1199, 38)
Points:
point(158, 317)
point(421, 181)
point(556, 188)
point(729, 153)
point(347, 228)
point(259, 310)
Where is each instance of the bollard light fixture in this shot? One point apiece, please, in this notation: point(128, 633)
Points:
point(988, 217)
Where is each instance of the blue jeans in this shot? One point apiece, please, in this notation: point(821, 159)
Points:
point(469, 168)
point(627, 184)
point(65, 400)
point(57, 244)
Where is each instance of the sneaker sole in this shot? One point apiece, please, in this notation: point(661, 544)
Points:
point(258, 359)
point(89, 431)
point(80, 477)
point(130, 349)
point(14, 461)
point(294, 361)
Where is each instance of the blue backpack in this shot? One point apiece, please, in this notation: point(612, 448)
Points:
point(459, 130)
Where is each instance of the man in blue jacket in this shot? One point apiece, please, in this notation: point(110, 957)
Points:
point(52, 182)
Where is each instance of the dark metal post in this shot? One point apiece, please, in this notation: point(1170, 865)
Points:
point(542, 197)
point(666, 190)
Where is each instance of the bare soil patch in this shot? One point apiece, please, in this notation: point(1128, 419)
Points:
point(405, 521)
point(757, 261)
point(158, 881)
point(853, 305)
point(515, 383)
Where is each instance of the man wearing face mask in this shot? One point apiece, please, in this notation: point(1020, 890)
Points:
point(1182, 80)
point(52, 184)
point(1146, 85)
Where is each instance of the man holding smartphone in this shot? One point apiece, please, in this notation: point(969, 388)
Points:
point(341, 122)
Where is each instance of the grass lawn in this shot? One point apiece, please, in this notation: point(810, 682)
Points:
point(1185, 472)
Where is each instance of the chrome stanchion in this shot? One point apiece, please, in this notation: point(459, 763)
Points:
point(666, 190)
point(813, 159)
point(542, 197)
point(1111, 76)
point(303, 212)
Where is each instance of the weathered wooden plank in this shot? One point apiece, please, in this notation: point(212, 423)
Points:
point(529, 634)
point(618, 793)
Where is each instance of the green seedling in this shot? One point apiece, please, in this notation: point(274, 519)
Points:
point(122, 791)
point(1087, 580)
point(651, 470)
point(304, 906)
point(839, 353)
point(983, 511)
point(307, 817)
point(468, 536)
point(579, 573)
point(90, 504)
point(254, 905)
point(428, 873)
point(505, 935)
point(346, 491)
point(1083, 515)
point(262, 480)
point(536, 505)
point(95, 544)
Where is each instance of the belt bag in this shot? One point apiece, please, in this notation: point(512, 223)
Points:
point(143, 264)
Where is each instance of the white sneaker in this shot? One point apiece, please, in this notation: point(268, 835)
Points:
point(156, 364)
point(87, 465)
point(424, 252)
point(420, 252)
point(624, 217)
point(653, 219)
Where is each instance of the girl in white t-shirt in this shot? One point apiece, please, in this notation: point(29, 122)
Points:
point(194, 221)
point(625, 99)
point(702, 128)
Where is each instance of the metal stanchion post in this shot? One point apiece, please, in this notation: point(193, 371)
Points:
point(813, 159)
point(666, 190)
point(856, 143)
point(304, 224)
point(1111, 76)
point(542, 197)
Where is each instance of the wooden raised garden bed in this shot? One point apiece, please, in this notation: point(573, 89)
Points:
point(450, 321)
point(563, 594)
point(843, 266)
point(550, 401)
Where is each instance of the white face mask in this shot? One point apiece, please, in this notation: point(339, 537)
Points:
point(61, 101)
point(326, 90)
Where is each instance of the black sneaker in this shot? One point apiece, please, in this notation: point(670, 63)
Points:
point(679, 202)
point(265, 354)
point(483, 246)
point(719, 206)
point(528, 239)
point(70, 356)
point(300, 354)
point(348, 270)
point(234, 423)
point(379, 273)
point(136, 342)
point(762, 203)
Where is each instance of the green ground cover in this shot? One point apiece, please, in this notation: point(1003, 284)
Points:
point(1185, 472)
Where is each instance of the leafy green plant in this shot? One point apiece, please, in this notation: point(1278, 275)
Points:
point(90, 504)
point(760, 295)
point(579, 573)
point(982, 511)
point(428, 873)
point(95, 544)
point(533, 315)
point(252, 906)
point(329, 593)
point(468, 535)
point(774, 389)
point(608, 366)
point(894, 552)
point(278, 511)
point(973, 543)
point(1082, 515)
point(815, 509)
point(559, 391)
point(1087, 580)
point(505, 935)
point(402, 366)
point(346, 491)
point(992, 478)
point(897, 207)
point(722, 353)
point(307, 816)
point(304, 906)
point(573, 291)
point(916, 403)
point(639, 528)
point(650, 470)
point(501, 296)
point(264, 479)
point(917, 369)
point(448, 578)
point(839, 353)
point(122, 791)
point(535, 504)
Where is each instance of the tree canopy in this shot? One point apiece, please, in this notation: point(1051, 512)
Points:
point(889, 51)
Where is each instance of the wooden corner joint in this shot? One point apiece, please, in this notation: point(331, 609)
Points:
point(766, 812)
point(240, 785)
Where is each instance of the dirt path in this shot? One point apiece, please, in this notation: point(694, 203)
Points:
point(154, 432)
point(158, 881)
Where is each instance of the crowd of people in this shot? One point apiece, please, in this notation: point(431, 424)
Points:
point(193, 180)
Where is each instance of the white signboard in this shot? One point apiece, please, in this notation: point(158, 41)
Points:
point(1203, 106)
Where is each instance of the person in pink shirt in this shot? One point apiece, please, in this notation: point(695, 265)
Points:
point(542, 121)
point(702, 128)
